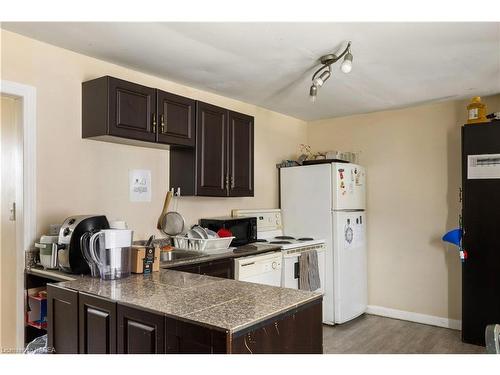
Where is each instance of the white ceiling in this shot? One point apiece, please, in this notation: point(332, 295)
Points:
point(270, 64)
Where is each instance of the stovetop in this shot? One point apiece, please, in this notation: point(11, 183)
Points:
point(290, 242)
point(270, 229)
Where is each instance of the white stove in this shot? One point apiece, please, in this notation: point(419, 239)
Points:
point(270, 230)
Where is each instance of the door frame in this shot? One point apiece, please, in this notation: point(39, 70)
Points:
point(25, 189)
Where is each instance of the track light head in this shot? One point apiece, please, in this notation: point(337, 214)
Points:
point(313, 92)
point(325, 71)
point(346, 66)
point(321, 79)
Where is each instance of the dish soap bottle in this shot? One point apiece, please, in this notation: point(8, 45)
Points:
point(476, 111)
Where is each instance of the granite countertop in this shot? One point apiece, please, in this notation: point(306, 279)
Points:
point(222, 304)
point(242, 251)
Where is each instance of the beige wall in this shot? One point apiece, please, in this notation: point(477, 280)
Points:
point(412, 157)
point(77, 176)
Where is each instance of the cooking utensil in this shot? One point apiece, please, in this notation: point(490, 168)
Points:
point(173, 222)
point(150, 241)
point(168, 198)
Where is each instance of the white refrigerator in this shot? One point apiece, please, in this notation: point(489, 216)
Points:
point(327, 201)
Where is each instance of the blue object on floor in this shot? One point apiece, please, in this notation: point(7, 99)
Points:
point(454, 237)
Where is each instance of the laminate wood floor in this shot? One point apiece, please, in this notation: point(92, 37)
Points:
point(370, 334)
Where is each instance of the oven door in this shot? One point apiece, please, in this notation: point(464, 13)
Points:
point(290, 275)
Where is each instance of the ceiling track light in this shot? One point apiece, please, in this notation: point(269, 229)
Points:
point(325, 71)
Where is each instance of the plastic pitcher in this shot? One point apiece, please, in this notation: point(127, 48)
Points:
point(110, 250)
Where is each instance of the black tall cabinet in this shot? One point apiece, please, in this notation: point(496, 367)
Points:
point(481, 239)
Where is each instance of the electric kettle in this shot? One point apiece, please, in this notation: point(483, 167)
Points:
point(110, 251)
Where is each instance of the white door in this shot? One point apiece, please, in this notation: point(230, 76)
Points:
point(350, 271)
point(349, 184)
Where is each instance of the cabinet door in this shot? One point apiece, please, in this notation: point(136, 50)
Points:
point(241, 154)
point(139, 331)
point(62, 319)
point(97, 325)
point(296, 332)
point(223, 268)
point(131, 110)
point(176, 119)
point(211, 150)
point(187, 338)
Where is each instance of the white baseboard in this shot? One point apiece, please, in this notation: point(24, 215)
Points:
point(414, 317)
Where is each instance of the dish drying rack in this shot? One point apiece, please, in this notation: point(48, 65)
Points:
point(201, 244)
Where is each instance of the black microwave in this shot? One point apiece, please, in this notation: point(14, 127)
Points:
point(243, 228)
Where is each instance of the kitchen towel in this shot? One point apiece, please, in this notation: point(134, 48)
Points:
point(309, 271)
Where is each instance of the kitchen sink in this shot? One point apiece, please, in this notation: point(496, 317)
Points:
point(178, 254)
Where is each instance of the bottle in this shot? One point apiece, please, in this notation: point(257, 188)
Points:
point(476, 111)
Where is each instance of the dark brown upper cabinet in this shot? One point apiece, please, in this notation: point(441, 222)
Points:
point(240, 155)
point(211, 150)
point(222, 164)
point(131, 110)
point(176, 119)
point(120, 111)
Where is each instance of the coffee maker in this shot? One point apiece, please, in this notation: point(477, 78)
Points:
point(73, 237)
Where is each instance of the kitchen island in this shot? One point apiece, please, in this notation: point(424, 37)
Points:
point(178, 312)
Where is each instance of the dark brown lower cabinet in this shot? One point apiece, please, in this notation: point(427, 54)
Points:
point(139, 331)
point(298, 332)
point(84, 323)
point(183, 337)
point(97, 325)
point(62, 319)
